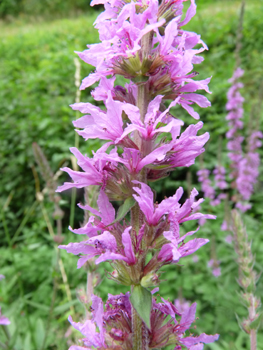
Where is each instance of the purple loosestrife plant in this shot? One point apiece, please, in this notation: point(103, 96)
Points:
point(244, 165)
point(144, 42)
point(248, 171)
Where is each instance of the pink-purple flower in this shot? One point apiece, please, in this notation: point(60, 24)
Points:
point(144, 42)
point(117, 316)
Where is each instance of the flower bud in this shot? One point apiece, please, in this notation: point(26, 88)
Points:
point(150, 280)
point(120, 275)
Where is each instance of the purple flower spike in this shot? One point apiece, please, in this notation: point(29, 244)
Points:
point(248, 170)
point(234, 117)
point(145, 43)
point(219, 173)
point(203, 178)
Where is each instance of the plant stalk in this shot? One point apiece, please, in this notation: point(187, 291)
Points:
point(137, 326)
point(139, 330)
point(253, 339)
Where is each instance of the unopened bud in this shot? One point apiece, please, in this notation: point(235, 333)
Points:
point(120, 275)
point(150, 280)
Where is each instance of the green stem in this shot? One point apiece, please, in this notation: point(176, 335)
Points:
point(135, 217)
point(24, 221)
point(5, 330)
point(137, 326)
point(143, 100)
point(72, 206)
point(139, 330)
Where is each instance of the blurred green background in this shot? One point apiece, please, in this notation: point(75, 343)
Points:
point(37, 44)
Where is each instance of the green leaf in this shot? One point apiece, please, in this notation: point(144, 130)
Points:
point(124, 208)
point(65, 307)
point(39, 333)
point(141, 300)
point(215, 346)
point(255, 324)
point(27, 342)
point(37, 305)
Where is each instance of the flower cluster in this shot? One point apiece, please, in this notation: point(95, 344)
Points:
point(220, 181)
point(244, 165)
point(144, 42)
point(206, 184)
point(114, 324)
point(248, 171)
point(234, 107)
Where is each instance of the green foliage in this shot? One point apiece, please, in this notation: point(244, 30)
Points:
point(47, 8)
point(124, 208)
point(141, 299)
point(37, 75)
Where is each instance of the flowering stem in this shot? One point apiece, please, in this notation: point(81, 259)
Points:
point(253, 332)
point(155, 55)
point(253, 339)
point(135, 218)
point(139, 342)
point(142, 101)
point(137, 326)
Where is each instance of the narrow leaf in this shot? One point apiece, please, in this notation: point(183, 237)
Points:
point(255, 324)
point(65, 307)
point(27, 341)
point(37, 305)
point(39, 333)
point(124, 208)
point(141, 300)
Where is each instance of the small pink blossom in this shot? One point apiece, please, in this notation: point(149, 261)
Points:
point(214, 265)
point(4, 320)
point(229, 239)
